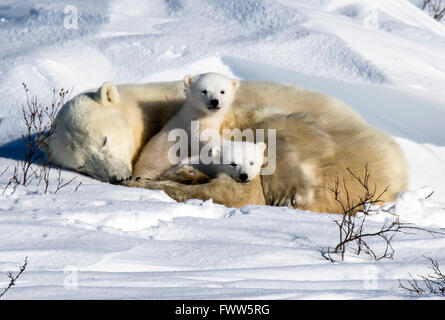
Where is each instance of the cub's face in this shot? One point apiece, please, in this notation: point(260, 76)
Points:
point(93, 137)
point(242, 160)
point(210, 92)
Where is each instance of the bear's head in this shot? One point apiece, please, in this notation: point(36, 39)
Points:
point(242, 160)
point(92, 136)
point(210, 92)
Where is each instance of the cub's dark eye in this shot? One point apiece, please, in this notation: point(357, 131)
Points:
point(104, 141)
point(204, 91)
point(233, 164)
point(251, 163)
point(222, 91)
point(81, 167)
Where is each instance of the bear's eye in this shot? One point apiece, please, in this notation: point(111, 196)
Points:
point(204, 91)
point(233, 164)
point(251, 163)
point(104, 141)
point(222, 92)
point(81, 167)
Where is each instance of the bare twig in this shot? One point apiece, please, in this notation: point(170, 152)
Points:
point(6, 169)
point(353, 229)
point(61, 182)
point(430, 284)
point(326, 253)
point(435, 8)
point(13, 182)
point(40, 123)
point(77, 187)
point(13, 278)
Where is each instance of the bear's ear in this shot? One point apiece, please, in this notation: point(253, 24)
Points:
point(188, 80)
point(235, 84)
point(108, 94)
point(261, 146)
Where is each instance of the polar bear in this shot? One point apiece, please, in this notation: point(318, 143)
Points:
point(241, 160)
point(208, 99)
point(101, 132)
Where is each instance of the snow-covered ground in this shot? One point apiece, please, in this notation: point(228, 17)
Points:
point(384, 58)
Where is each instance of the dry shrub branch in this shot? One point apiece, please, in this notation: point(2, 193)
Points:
point(435, 8)
point(13, 278)
point(40, 124)
point(428, 284)
point(353, 229)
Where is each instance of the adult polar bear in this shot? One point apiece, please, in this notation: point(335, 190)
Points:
point(101, 132)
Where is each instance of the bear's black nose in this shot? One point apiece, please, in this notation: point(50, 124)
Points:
point(113, 180)
point(214, 103)
point(243, 177)
point(116, 180)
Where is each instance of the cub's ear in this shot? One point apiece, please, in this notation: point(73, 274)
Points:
point(108, 94)
point(261, 146)
point(188, 80)
point(235, 84)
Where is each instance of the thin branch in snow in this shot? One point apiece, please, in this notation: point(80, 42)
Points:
point(61, 182)
point(40, 123)
point(427, 284)
point(435, 8)
point(13, 278)
point(353, 229)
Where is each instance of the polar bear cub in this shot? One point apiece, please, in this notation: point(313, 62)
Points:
point(208, 99)
point(242, 160)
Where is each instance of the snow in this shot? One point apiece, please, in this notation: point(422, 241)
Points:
point(384, 58)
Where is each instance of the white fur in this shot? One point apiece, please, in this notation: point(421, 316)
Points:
point(242, 160)
point(92, 137)
point(202, 89)
point(208, 99)
point(128, 115)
